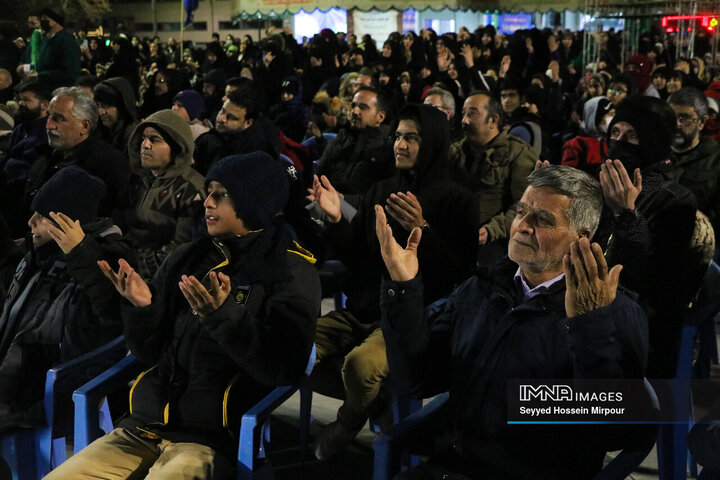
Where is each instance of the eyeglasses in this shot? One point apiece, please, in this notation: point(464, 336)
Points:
point(218, 196)
point(616, 91)
point(409, 137)
point(686, 120)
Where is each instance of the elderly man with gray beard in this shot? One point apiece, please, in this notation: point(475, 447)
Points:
point(74, 140)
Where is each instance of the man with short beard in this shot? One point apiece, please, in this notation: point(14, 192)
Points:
point(694, 157)
point(494, 165)
point(362, 153)
point(28, 142)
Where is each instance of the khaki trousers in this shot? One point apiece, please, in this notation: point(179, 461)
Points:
point(122, 455)
point(365, 365)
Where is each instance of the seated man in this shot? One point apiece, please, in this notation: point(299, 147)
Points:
point(550, 310)
point(236, 307)
point(58, 306)
point(163, 201)
point(420, 194)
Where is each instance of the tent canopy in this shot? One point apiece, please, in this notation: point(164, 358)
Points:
point(278, 7)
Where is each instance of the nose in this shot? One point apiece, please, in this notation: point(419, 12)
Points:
point(146, 144)
point(524, 227)
point(209, 202)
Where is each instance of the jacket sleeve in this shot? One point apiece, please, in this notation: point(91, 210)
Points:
point(609, 342)
point(82, 261)
point(520, 167)
point(418, 346)
point(273, 347)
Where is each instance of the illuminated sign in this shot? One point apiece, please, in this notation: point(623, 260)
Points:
point(708, 22)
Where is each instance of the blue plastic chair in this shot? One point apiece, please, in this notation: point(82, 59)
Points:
point(334, 268)
point(31, 453)
point(254, 428)
point(673, 457)
point(310, 142)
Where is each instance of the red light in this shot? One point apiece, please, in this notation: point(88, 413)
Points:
point(669, 30)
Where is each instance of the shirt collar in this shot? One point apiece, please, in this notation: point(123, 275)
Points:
point(528, 292)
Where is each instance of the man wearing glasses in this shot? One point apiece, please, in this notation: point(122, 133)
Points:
point(695, 157)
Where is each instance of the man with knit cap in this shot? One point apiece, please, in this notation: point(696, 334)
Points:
point(58, 62)
point(58, 306)
point(190, 105)
point(163, 200)
point(115, 99)
point(235, 307)
point(652, 223)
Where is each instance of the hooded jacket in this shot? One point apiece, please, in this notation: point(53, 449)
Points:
point(119, 136)
point(448, 248)
point(159, 212)
point(58, 307)
point(588, 151)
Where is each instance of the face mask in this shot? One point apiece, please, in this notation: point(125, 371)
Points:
point(45, 25)
point(627, 153)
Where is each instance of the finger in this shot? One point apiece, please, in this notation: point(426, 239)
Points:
point(400, 202)
point(578, 266)
point(638, 180)
point(615, 177)
point(214, 284)
point(199, 288)
point(188, 296)
point(414, 239)
point(225, 285)
point(602, 268)
point(624, 177)
point(67, 219)
point(380, 222)
point(189, 291)
point(60, 221)
point(397, 213)
point(326, 183)
point(588, 259)
point(538, 164)
point(614, 277)
point(411, 199)
point(570, 280)
point(107, 270)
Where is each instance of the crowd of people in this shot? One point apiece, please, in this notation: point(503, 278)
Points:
point(502, 210)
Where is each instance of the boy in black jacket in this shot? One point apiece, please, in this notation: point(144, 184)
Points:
point(225, 319)
point(58, 305)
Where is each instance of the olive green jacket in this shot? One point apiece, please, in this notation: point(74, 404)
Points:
point(497, 173)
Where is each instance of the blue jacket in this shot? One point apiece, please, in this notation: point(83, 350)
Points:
point(487, 335)
point(27, 143)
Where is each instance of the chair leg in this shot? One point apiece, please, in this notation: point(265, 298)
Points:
point(306, 395)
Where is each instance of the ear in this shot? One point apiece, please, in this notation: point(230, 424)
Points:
point(44, 106)
point(86, 125)
point(248, 123)
point(380, 117)
point(703, 119)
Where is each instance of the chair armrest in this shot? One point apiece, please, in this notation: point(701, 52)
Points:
point(78, 364)
point(389, 446)
point(87, 398)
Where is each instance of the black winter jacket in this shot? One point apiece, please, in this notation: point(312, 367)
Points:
point(207, 371)
point(58, 307)
point(485, 336)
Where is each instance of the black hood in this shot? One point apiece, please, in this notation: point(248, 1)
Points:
point(432, 162)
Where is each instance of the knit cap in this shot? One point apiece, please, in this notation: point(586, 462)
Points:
point(72, 191)
point(257, 184)
point(53, 14)
point(192, 101)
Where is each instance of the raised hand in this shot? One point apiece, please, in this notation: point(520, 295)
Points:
point(619, 191)
point(541, 164)
point(402, 263)
point(67, 234)
point(406, 209)
point(128, 283)
point(204, 301)
point(589, 284)
point(327, 198)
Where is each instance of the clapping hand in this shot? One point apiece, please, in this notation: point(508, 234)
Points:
point(327, 198)
point(204, 301)
point(128, 283)
point(406, 209)
point(402, 264)
point(589, 284)
point(619, 191)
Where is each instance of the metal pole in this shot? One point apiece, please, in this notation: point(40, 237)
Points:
point(182, 30)
point(153, 8)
